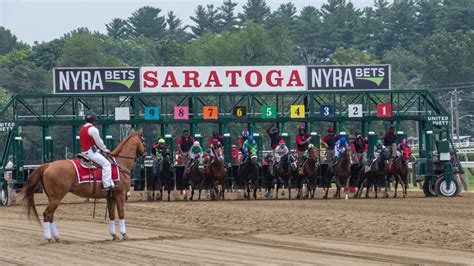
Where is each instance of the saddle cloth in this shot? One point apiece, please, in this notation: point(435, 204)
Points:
point(86, 171)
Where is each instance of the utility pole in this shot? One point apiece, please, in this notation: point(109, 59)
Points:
point(456, 101)
point(451, 109)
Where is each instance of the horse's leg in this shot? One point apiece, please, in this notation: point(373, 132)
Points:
point(48, 215)
point(120, 201)
point(192, 192)
point(338, 187)
point(385, 193)
point(405, 184)
point(111, 209)
point(369, 184)
point(348, 181)
point(396, 187)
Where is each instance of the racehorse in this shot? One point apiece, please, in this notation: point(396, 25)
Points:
point(286, 169)
point(310, 172)
point(269, 176)
point(248, 172)
point(60, 177)
point(400, 173)
point(343, 173)
point(166, 175)
point(195, 176)
point(217, 173)
point(375, 171)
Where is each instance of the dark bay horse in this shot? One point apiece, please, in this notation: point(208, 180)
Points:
point(195, 177)
point(59, 178)
point(286, 169)
point(400, 172)
point(248, 173)
point(343, 173)
point(310, 172)
point(217, 173)
point(371, 174)
point(166, 175)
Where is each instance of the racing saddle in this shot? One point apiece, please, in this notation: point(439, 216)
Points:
point(87, 163)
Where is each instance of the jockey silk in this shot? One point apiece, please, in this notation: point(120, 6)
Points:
point(86, 140)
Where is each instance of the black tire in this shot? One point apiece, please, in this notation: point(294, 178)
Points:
point(428, 189)
point(442, 190)
point(4, 195)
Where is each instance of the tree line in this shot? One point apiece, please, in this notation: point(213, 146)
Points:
point(429, 43)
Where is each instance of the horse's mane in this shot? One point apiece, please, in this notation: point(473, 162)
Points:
point(119, 148)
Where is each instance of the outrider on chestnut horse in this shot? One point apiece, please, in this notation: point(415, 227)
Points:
point(60, 177)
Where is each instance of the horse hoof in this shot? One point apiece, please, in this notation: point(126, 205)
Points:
point(325, 197)
point(125, 237)
point(57, 240)
point(49, 241)
point(115, 237)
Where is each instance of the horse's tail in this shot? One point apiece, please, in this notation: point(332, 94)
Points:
point(34, 183)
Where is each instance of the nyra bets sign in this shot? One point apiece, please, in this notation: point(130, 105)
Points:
point(370, 77)
point(223, 79)
point(96, 80)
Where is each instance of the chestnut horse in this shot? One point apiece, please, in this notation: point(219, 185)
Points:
point(310, 172)
point(400, 172)
point(60, 177)
point(217, 173)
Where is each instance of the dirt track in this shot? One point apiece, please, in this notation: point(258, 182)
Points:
point(412, 230)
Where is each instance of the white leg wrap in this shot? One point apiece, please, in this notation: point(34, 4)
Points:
point(122, 226)
point(47, 230)
point(54, 230)
point(112, 227)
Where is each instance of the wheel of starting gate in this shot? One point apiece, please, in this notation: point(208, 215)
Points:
point(428, 188)
point(441, 187)
point(4, 196)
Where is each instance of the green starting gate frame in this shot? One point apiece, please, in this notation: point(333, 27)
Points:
point(47, 110)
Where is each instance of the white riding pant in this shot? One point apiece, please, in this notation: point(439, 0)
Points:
point(106, 167)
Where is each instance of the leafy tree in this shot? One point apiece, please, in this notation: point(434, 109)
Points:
point(284, 16)
point(176, 31)
point(400, 26)
point(429, 16)
point(309, 32)
point(8, 42)
point(170, 53)
point(147, 21)
point(341, 26)
point(118, 29)
point(406, 70)
point(83, 49)
point(256, 11)
point(135, 51)
point(227, 18)
point(351, 56)
point(46, 54)
point(206, 19)
point(447, 57)
point(458, 15)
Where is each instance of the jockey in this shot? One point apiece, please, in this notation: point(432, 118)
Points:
point(389, 140)
point(91, 144)
point(217, 147)
point(195, 152)
point(243, 138)
point(215, 136)
point(157, 151)
point(274, 136)
point(302, 140)
point(281, 150)
point(329, 141)
point(378, 150)
point(185, 142)
point(251, 145)
point(402, 147)
point(340, 147)
point(235, 155)
point(359, 146)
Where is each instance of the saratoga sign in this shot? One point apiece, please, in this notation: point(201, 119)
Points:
point(223, 79)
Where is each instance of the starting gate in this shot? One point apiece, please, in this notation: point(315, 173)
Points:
point(367, 112)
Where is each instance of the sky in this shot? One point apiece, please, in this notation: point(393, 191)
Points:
point(45, 20)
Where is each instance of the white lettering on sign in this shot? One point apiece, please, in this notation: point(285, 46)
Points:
point(6, 127)
point(223, 78)
point(439, 120)
point(322, 77)
point(80, 80)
